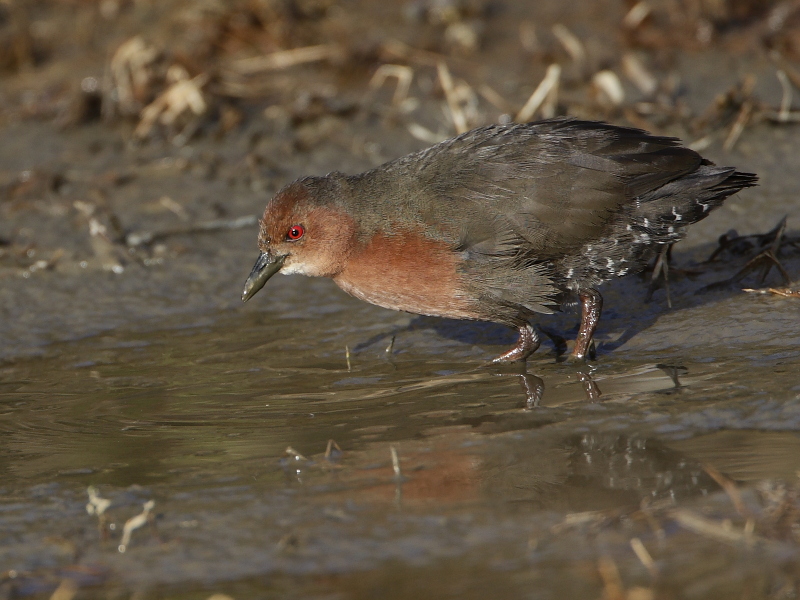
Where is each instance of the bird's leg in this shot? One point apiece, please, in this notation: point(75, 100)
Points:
point(528, 343)
point(661, 271)
point(593, 392)
point(533, 387)
point(591, 306)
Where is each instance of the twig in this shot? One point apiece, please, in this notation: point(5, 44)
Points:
point(701, 144)
point(101, 239)
point(738, 126)
point(730, 488)
point(295, 454)
point(790, 117)
point(135, 523)
point(174, 207)
point(638, 73)
point(424, 134)
point(283, 59)
point(791, 73)
point(67, 590)
point(402, 73)
point(329, 450)
point(97, 505)
point(145, 237)
point(786, 99)
point(607, 83)
point(703, 526)
point(636, 15)
point(571, 43)
point(548, 86)
point(787, 293)
point(459, 120)
point(398, 49)
point(496, 99)
point(644, 556)
point(184, 95)
point(395, 463)
point(612, 582)
point(655, 524)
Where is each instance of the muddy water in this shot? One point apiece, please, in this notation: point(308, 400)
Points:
point(447, 479)
point(158, 384)
point(491, 495)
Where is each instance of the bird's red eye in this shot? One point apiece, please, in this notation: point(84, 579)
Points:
point(295, 232)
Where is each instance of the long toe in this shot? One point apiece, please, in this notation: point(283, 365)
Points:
point(527, 344)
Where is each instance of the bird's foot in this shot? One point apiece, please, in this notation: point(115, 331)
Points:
point(528, 343)
point(575, 357)
point(591, 389)
point(591, 306)
point(533, 388)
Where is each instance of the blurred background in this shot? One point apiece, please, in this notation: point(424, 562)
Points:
point(139, 143)
point(130, 129)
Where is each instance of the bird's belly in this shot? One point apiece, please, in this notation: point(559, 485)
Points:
point(409, 273)
point(413, 300)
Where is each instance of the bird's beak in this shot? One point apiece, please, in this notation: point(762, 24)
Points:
point(266, 266)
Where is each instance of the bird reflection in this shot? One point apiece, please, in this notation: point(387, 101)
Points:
point(648, 378)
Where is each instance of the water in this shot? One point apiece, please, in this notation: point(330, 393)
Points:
point(200, 417)
point(281, 469)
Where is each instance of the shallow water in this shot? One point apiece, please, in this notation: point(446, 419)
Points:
point(443, 478)
point(492, 493)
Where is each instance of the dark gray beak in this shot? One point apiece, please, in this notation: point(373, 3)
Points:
point(266, 266)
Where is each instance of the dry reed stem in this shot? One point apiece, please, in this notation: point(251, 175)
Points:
point(728, 485)
point(636, 15)
point(402, 73)
point(284, 59)
point(294, 454)
point(571, 43)
point(331, 445)
point(67, 590)
point(609, 86)
point(745, 113)
point(424, 134)
point(403, 51)
point(638, 74)
point(496, 99)
point(182, 96)
point(547, 87)
point(785, 293)
point(135, 523)
point(703, 526)
point(456, 113)
point(612, 582)
point(395, 463)
point(644, 556)
point(786, 99)
point(138, 238)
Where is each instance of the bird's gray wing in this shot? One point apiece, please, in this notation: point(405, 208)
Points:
point(544, 188)
point(512, 199)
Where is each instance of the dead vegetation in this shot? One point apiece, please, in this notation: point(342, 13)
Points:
point(180, 71)
point(203, 59)
point(761, 523)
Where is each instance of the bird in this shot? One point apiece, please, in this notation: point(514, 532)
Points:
point(496, 224)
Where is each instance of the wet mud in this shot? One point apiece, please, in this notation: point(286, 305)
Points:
point(307, 445)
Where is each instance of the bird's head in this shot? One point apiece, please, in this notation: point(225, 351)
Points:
point(304, 231)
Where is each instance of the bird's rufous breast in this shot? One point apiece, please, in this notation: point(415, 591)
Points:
point(407, 271)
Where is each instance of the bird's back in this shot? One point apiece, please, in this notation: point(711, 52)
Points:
point(535, 209)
